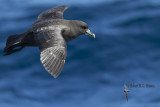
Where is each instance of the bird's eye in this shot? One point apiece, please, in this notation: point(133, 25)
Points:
point(83, 27)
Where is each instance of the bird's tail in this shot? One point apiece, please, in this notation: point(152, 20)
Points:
point(13, 44)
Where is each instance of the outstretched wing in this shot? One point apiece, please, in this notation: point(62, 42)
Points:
point(126, 96)
point(125, 86)
point(53, 50)
point(53, 13)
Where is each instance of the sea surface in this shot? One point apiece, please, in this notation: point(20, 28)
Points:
point(126, 50)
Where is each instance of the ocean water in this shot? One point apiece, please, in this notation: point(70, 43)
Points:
point(126, 50)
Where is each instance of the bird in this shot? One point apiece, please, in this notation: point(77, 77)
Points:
point(126, 91)
point(49, 33)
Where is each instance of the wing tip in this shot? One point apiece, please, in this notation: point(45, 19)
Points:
point(61, 8)
point(51, 73)
point(65, 6)
point(55, 76)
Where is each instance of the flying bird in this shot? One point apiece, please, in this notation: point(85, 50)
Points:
point(126, 91)
point(50, 33)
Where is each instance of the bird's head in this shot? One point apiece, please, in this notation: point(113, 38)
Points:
point(80, 28)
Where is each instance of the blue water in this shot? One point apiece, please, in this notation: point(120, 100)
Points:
point(126, 50)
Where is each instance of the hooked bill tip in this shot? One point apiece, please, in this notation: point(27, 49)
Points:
point(90, 33)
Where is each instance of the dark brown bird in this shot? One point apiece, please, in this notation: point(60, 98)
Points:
point(126, 91)
point(50, 33)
